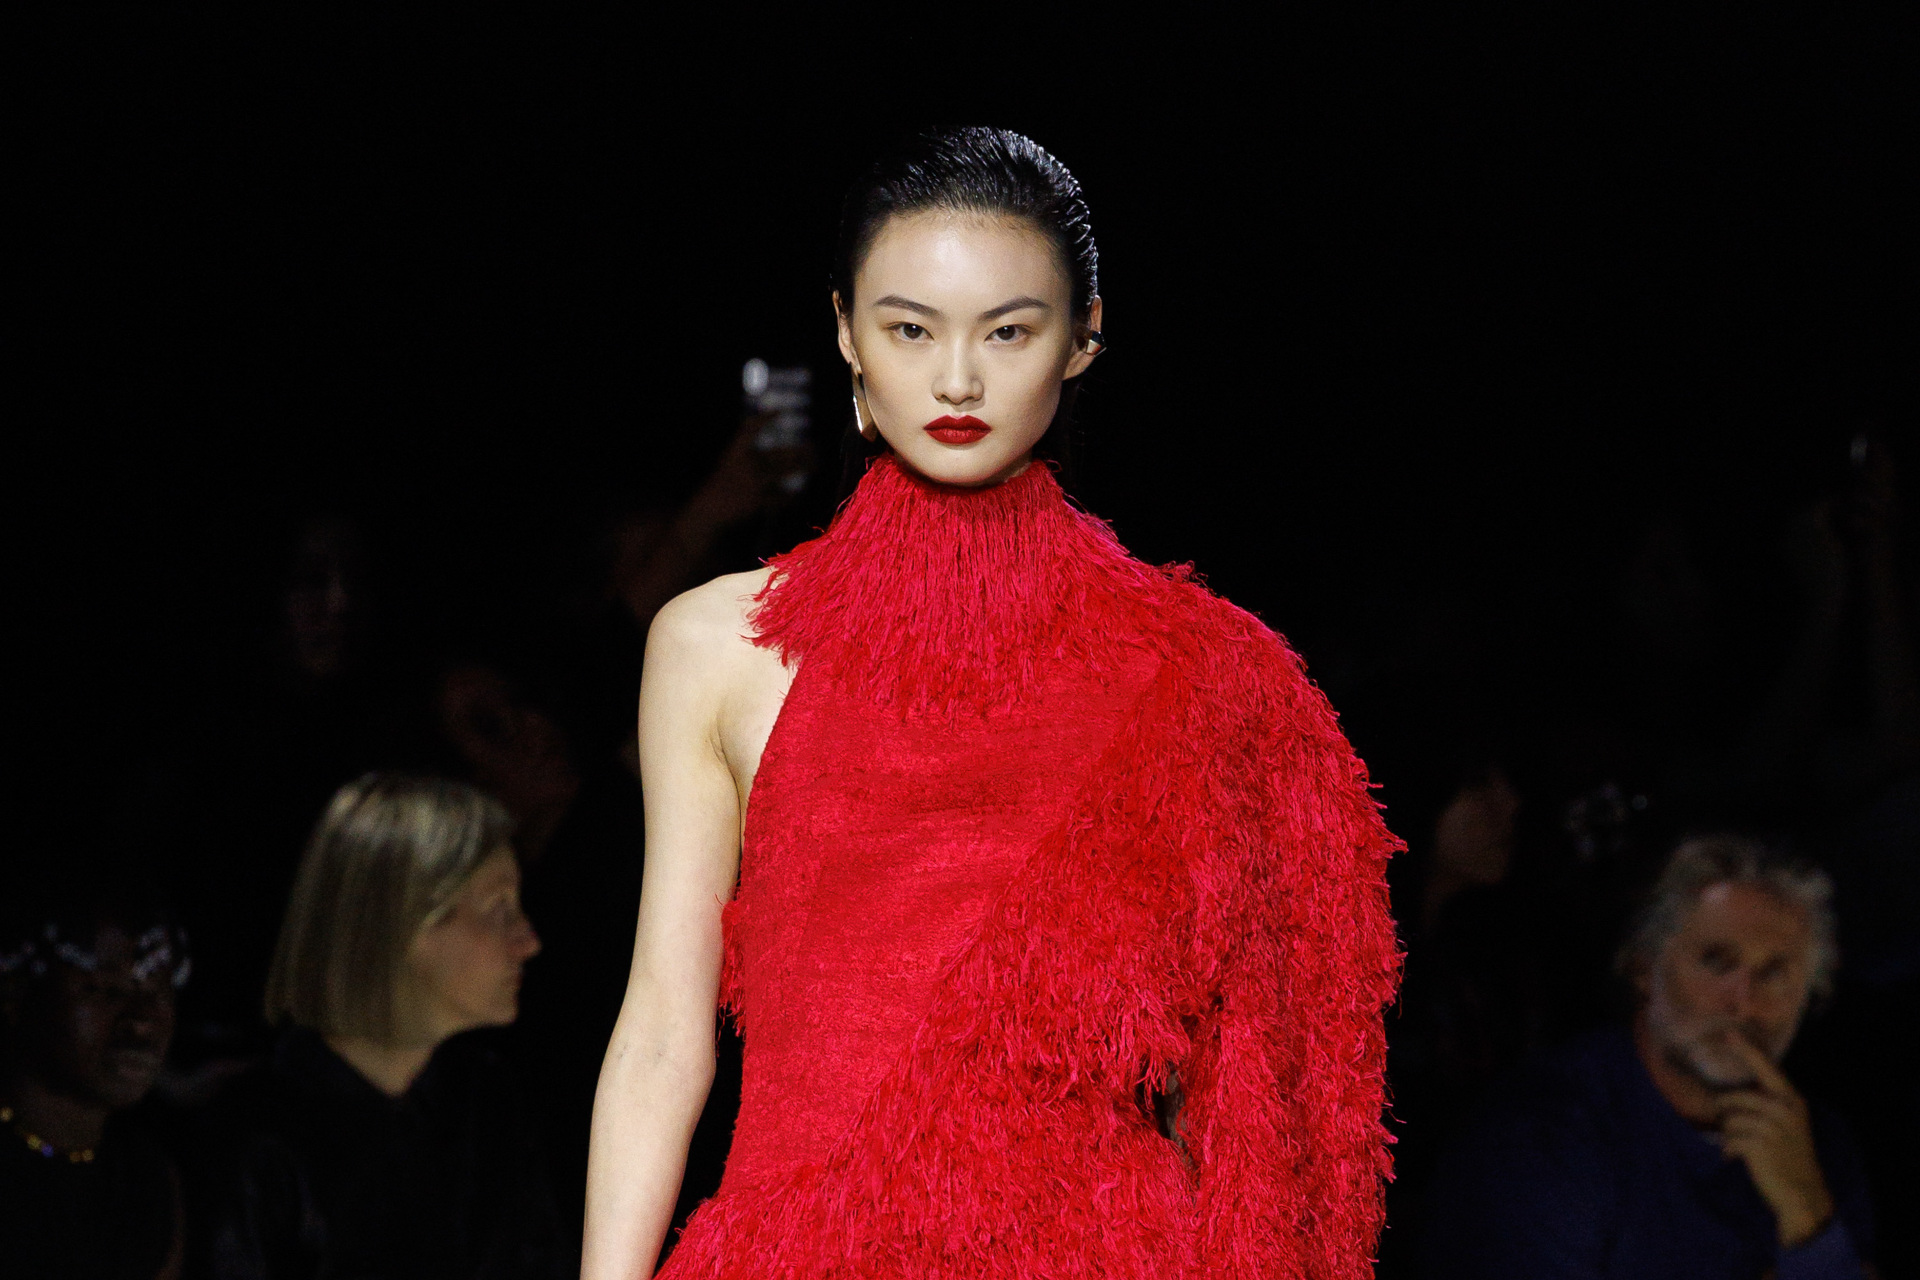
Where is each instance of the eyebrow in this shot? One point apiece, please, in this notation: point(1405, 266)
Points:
point(1014, 304)
point(905, 304)
point(921, 309)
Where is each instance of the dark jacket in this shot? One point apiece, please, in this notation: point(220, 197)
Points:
point(321, 1175)
point(1581, 1170)
point(111, 1218)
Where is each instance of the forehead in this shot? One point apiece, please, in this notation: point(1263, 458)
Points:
point(113, 949)
point(497, 871)
point(962, 256)
point(1749, 917)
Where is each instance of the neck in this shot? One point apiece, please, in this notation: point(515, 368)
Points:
point(390, 1068)
point(69, 1123)
point(1686, 1093)
point(937, 599)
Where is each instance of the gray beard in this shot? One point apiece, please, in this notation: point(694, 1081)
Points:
point(1698, 1046)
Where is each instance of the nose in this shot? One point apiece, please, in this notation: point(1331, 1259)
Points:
point(957, 384)
point(147, 1014)
point(1736, 994)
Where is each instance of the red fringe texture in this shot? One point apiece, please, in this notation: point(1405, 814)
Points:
point(1215, 908)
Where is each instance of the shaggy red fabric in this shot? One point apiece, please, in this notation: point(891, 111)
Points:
point(1040, 830)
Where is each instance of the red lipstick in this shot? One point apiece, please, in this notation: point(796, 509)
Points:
point(952, 430)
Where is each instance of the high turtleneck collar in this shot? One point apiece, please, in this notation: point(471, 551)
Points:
point(936, 598)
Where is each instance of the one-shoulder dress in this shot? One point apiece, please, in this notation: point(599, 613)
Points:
point(1042, 838)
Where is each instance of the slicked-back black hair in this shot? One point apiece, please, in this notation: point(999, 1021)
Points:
point(974, 169)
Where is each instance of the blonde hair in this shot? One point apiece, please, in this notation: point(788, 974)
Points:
point(390, 854)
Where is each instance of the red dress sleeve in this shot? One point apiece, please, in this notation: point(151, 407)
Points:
point(1285, 1084)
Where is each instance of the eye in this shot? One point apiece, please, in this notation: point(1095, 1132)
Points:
point(909, 330)
point(1719, 960)
point(1008, 333)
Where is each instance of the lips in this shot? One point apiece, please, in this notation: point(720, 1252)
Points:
point(952, 430)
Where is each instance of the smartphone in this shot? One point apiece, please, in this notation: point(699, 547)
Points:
point(787, 394)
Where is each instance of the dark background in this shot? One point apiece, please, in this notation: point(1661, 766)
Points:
point(1417, 325)
point(1404, 301)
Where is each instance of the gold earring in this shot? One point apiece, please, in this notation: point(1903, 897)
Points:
point(869, 430)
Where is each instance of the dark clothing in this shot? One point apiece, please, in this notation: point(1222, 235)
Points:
point(1581, 1170)
point(110, 1219)
point(325, 1176)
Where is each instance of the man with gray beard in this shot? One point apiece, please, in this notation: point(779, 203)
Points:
point(1675, 1147)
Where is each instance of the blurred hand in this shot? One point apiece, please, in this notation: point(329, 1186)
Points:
point(746, 478)
point(1767, 1126)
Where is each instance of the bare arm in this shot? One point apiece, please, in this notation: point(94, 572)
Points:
point(660, 1062)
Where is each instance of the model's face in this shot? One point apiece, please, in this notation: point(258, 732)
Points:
point(99, 1037)
point(465, 965)
point(1740, 966)
point(962, 316)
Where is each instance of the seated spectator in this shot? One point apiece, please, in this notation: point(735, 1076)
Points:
point(86, 995)
point(378, 1141)
point(1674, 1147)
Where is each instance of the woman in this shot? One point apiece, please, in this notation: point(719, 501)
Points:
point(1060, 938)
point(375, 1142)
point(87, 981)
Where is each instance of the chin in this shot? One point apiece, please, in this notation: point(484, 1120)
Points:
point(968, 466)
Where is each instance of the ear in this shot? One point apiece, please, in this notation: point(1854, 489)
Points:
point(844, 327)
point(1083, 351)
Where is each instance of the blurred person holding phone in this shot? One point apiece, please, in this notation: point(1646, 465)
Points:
point(1675, 1147)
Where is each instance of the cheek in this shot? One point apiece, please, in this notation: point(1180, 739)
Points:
point(88, 1025)
point(1688, 990)
point(1034, 374)
point(470, 970)
point(1782, 1001)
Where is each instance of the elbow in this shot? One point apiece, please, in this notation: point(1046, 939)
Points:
point(671, 1057)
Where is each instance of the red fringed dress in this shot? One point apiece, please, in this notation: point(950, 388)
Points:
point(1041, 828)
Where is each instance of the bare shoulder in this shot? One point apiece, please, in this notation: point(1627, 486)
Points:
point(704, 668)
point(706, 626)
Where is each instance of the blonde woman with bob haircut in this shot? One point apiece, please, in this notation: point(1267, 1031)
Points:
point(378, 1139)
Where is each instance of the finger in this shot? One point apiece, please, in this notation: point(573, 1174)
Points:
point(1756, 1105)
point(1750, 1129)
point(1764, 1104)
point(1771, 1079)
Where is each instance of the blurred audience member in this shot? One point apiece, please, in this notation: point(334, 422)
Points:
point(1472, 841)
point(378, 1141)
point(312, 702)
point(325, 609)
point(658, 554)
point(1474, 1000)
point(515, 750)
point(86, 991)
point(1676, 1147)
